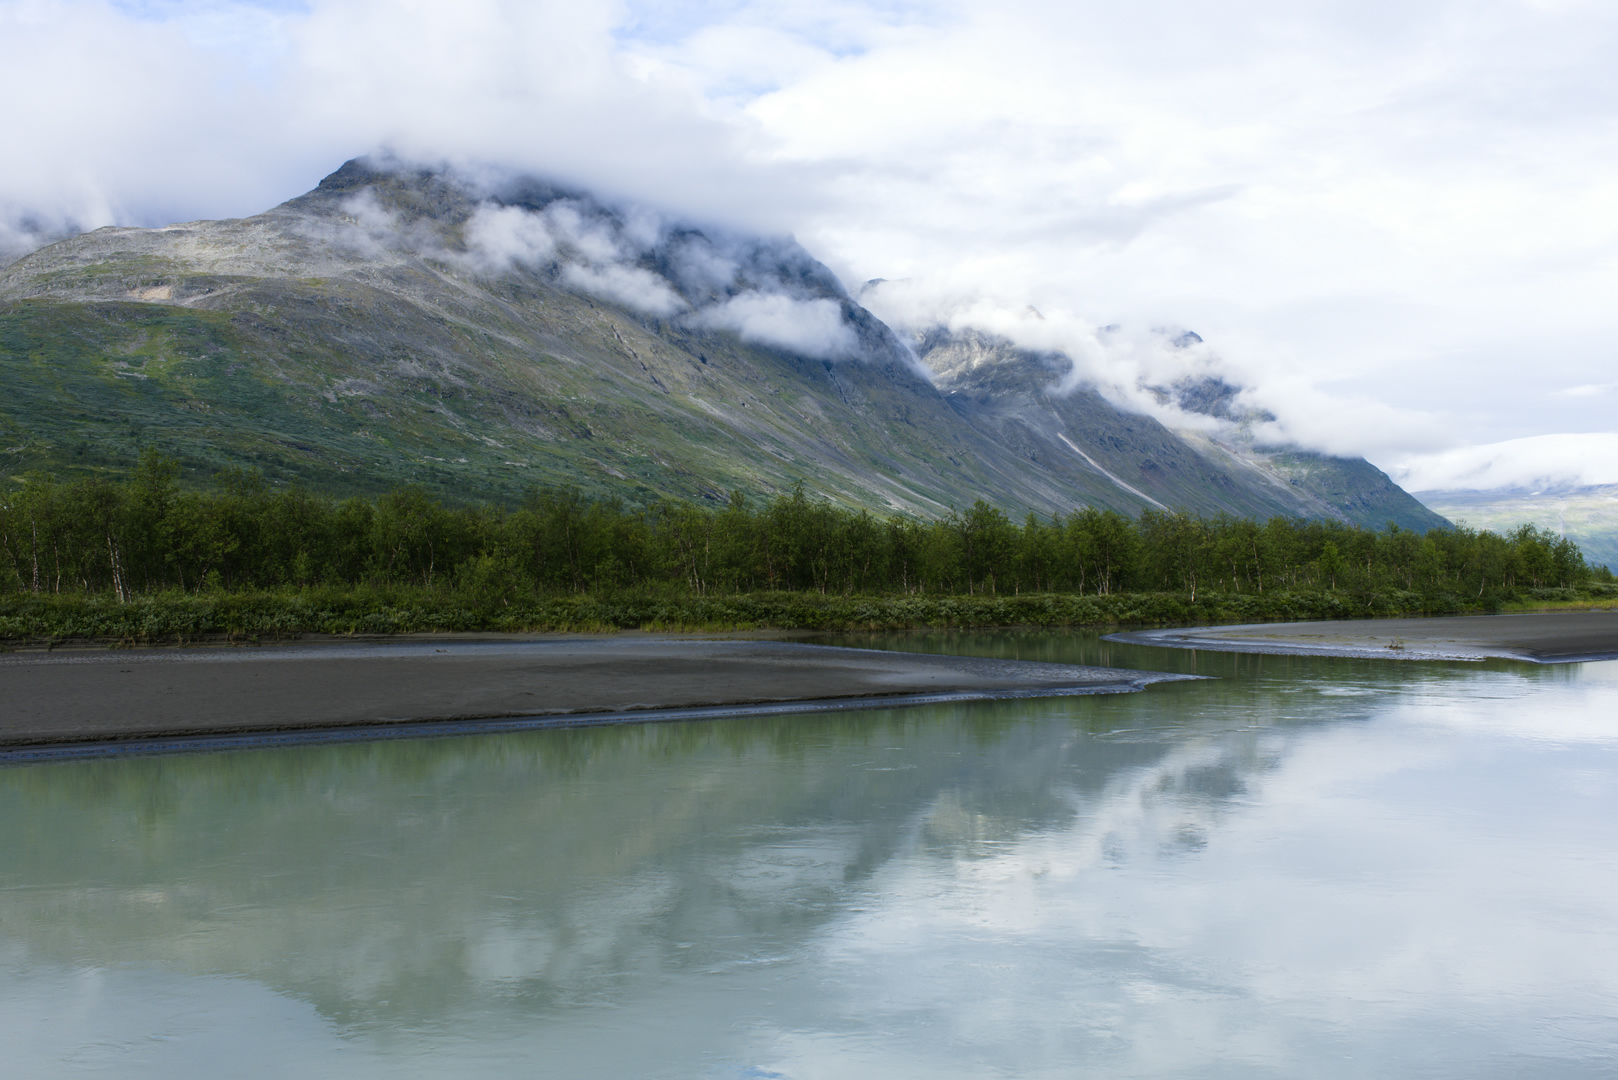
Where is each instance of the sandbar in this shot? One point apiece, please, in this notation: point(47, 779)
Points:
point(1545, 637)
point(102, 696)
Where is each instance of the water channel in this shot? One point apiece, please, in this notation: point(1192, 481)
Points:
point(1305, 867)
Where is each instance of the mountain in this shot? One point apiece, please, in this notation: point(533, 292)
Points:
point(1586, 514)
point(403, 324)
point(1012, 394)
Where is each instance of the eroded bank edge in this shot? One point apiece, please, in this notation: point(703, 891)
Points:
point(35, 753)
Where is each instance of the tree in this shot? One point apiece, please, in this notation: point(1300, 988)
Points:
point(1331, 564)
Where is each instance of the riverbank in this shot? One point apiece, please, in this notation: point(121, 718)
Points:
point(76, 696)
point(46, 620)
point(1538, 637)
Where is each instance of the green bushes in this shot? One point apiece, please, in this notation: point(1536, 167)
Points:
point(180, 617)
point(144, 559)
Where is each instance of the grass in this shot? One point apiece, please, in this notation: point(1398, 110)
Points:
point(89, 386)
point(1525, 606)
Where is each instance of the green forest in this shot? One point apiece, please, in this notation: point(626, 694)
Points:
point(144, 558)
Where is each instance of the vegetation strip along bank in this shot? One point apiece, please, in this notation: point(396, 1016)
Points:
point(141, 559)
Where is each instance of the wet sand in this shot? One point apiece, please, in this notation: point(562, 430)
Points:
point(1551, 637)
point(59, 698)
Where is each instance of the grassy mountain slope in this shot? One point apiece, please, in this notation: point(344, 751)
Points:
point(371, 333)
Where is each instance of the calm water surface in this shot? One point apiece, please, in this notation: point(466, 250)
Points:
point(1308, 868)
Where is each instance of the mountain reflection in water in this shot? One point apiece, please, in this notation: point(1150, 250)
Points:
point(1310, 867)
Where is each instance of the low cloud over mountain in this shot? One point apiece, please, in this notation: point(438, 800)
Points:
point(1383, 216)
point(485, 332)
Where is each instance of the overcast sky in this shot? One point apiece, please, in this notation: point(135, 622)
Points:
point(1397, 221)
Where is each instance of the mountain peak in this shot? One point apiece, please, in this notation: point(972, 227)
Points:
point(484, 333)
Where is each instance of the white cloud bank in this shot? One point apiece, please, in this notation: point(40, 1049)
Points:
point(811, 327)
point(1541, 462)
point(1134, 365)
point(766, 290)
point(503, 236)
point(1398, 222)
point(590, 247)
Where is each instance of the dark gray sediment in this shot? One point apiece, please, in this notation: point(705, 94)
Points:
point(108, 696)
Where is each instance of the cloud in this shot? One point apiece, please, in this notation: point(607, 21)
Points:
point(371, 230)
point(591, 236)
point(589, 249)
point(700, 267)
point(163, 112)
point(1588, 390)
point(767, 291)
point(1399, 226)
point(27, 232)
point(811, 327)
point(1539, 462)
point(500, 236)
point(627, 285)
point(1137, 367)
point(1358, 209)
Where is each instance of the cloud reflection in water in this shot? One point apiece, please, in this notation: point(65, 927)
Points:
point(1242, 878)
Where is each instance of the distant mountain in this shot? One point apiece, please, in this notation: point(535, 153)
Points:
point(1009, 392)
point(408, 325)
point(1587, 515)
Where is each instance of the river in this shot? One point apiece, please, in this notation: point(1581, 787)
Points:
point(1304, 867)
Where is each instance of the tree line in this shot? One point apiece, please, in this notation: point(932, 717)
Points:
point(145, 535)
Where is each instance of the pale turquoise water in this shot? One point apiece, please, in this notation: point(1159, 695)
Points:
point(1309, 868)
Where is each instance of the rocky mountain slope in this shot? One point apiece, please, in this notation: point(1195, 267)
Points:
point(404, 325)
point(1010, 392)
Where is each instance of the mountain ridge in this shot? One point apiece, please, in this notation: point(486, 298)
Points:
point(1013, 388)
point(404, 325)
